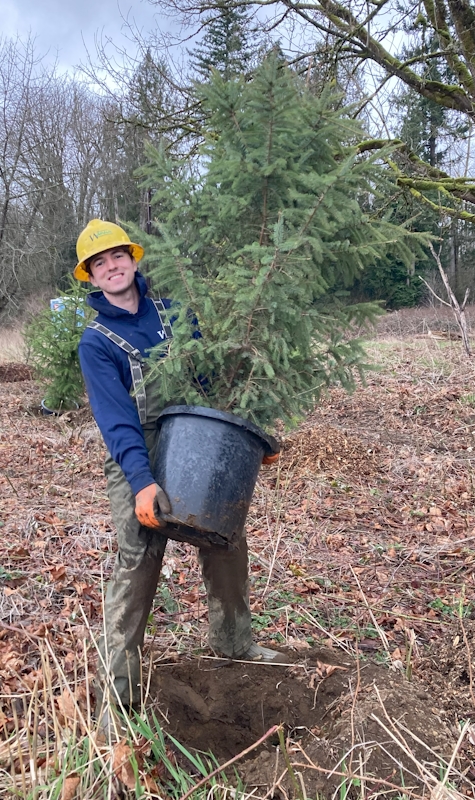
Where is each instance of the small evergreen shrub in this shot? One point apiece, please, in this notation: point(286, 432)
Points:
point(52, 338)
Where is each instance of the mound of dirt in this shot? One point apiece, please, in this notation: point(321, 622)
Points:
point(225, 706)
point(12, 373)
point(326, 449)
point(335, 717)
point(447, 671)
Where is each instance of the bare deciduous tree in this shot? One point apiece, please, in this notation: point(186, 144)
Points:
point(63, 160)
point(37, 220)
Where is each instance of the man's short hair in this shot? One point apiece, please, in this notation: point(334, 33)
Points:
point(124, 247)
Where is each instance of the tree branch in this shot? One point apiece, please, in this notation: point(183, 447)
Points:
point(459, 311)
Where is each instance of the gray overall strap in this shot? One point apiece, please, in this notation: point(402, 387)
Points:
point(161, 311)
point(135, 361)
point(118, 340)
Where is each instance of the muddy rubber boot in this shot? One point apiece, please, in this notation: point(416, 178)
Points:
point(263, 655)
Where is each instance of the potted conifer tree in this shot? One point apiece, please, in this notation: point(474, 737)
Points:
point(52, 339)
point(260, 239)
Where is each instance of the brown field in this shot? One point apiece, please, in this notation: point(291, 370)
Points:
point(362, 545)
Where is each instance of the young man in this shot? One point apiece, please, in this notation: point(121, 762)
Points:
point(113, 353)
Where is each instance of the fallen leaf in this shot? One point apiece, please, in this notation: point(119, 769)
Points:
point(70, 785)
point(191, 597)
point(69, 662)
point(52, 519)
point(66, 705)
point(325, 670)
point(150, 785)
point(121, 764)
point(71, 704)
point(298, 644)
point(18, 552)
point(57, 573)
point(311, 586)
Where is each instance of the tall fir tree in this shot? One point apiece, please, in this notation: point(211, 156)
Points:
point(259, 241)
point(429, 131)
point(433, 133)
point(128, 122)
point(428, 128)
point(227, 46)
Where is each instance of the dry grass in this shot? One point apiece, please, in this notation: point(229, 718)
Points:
point(12, 345)
point(422, 321)
point(51, 746)
point(51, 749)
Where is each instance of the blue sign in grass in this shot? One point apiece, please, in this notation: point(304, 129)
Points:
point(59, 304)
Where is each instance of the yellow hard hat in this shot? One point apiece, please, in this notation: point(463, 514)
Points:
point(98, 236)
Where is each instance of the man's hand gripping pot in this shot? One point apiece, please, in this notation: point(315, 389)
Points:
point(152, 500)
point(149, 502)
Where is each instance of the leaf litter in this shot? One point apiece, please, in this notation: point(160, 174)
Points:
point(362, 568)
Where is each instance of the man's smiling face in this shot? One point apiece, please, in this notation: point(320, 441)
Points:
point(113, 271)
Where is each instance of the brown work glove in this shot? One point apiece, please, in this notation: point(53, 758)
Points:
point(271, 459)
point(148, 504)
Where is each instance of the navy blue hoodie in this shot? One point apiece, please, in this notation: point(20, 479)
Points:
point(106, 371)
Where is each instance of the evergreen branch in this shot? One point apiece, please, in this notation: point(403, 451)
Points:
point(186, 282)
point(267, 348)
point(266, 183)
point(273, 265)
point(246, 344)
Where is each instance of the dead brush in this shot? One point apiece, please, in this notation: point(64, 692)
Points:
point(433, 318)
point(51, 749)
point(414, 779)
point(426, 359)
point(48, 749)
point(303, 536)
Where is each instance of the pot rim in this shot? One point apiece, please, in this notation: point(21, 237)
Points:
point(271, 445)
point(56, 412)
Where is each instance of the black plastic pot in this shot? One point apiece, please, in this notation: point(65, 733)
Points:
point(51, 412)
point(208, 461)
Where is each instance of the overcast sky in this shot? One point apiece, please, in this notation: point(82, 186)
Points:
point(61, 25)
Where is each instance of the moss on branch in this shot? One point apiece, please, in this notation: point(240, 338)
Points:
point(456, 213)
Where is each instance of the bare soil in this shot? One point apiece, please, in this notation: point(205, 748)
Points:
point(362, 543)
point(339, 716)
